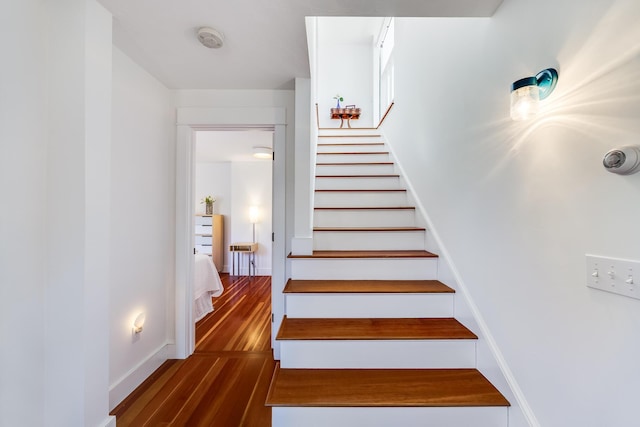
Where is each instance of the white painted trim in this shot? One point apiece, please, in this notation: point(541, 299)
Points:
point(190, 119)
point(132, 379)
point(225, 116)
point(185, 170)
point(462, 292)
point(110, 421)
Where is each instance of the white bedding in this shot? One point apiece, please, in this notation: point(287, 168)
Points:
point(207, 284)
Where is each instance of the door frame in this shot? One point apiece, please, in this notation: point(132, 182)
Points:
point(190, 120)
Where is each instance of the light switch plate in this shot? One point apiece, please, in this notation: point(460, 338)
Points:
point(619, 276)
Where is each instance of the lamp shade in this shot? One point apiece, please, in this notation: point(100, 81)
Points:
point(253, 214)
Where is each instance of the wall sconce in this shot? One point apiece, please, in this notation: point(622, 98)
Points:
point(138, 324)
point(623, 161)
point(526, 93)
point(262, 153)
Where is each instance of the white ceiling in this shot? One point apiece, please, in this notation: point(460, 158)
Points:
point(265, 40)
point(231, 145)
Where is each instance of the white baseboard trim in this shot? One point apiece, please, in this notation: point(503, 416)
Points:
point(110, 421)
point(521, 408)
point(132, 379)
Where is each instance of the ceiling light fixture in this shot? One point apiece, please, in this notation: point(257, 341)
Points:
point(262, 153)
point(526, 93)
point(210, 38)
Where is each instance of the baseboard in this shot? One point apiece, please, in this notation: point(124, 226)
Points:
point(132, 379)
point(110, 421)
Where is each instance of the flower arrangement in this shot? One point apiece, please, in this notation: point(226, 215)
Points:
point(339, 98)
point(208, 203)
point(208, 200)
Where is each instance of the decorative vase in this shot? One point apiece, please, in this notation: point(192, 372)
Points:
point(209, 208)
point(338, 104)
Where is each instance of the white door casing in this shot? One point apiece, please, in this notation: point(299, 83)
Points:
point(192, 119)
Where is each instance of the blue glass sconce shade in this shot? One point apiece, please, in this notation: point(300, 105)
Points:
point(547, 80)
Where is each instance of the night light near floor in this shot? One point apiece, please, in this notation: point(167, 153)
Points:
point(138, 324)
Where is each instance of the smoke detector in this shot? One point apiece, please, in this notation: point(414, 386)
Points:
point(210, 38)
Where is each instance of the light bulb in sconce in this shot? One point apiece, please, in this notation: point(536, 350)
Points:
point(526, 93)
point(138, 324)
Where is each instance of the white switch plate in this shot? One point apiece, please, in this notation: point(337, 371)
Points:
point(613, 275)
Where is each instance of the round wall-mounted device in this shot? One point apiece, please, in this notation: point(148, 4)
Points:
point(623, 161)
point(210, 38)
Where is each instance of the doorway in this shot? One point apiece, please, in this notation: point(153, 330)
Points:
point(191, 121)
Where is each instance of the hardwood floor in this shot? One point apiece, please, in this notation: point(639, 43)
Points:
point(225, 382)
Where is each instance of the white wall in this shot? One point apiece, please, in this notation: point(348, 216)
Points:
point(23, 189)
point(343, 68)
point(55, 119)
point(214, 179)
point(142, 224)
point(237, 186)
point(518, 205)
point(251, 186)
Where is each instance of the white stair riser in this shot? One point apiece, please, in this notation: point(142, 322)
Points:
point(352, 158)
point(393, 416)
point(368, 240)
point(378, 354)
point(364, 269)
point(351, 199)
point(364, 218)
point(337, 306)
point(350, 147)
point(362, 169)
point(363, 183)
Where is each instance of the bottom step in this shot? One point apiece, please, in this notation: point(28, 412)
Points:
point(385, 397)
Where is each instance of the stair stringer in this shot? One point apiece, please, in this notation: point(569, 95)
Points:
point(490, 360)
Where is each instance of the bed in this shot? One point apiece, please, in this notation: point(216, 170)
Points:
point(207, 284)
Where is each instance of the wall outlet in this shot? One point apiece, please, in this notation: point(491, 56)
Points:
point(619, 276)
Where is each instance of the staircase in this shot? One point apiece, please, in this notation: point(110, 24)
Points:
point(369, 337)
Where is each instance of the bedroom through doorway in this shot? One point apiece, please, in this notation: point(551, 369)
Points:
point(234, 170)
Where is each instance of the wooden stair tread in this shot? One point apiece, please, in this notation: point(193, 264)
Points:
point(357, 176)
point(382, 388)
point(373, 229)
point(349, 136)
point(359, 144)
point(338, 208)
point(366, 286)
point(354, 163)
point(352, 153)
point(367, 254)
point(373, 329)
point(361, 190)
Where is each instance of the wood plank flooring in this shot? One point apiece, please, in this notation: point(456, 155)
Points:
point(225, 382)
